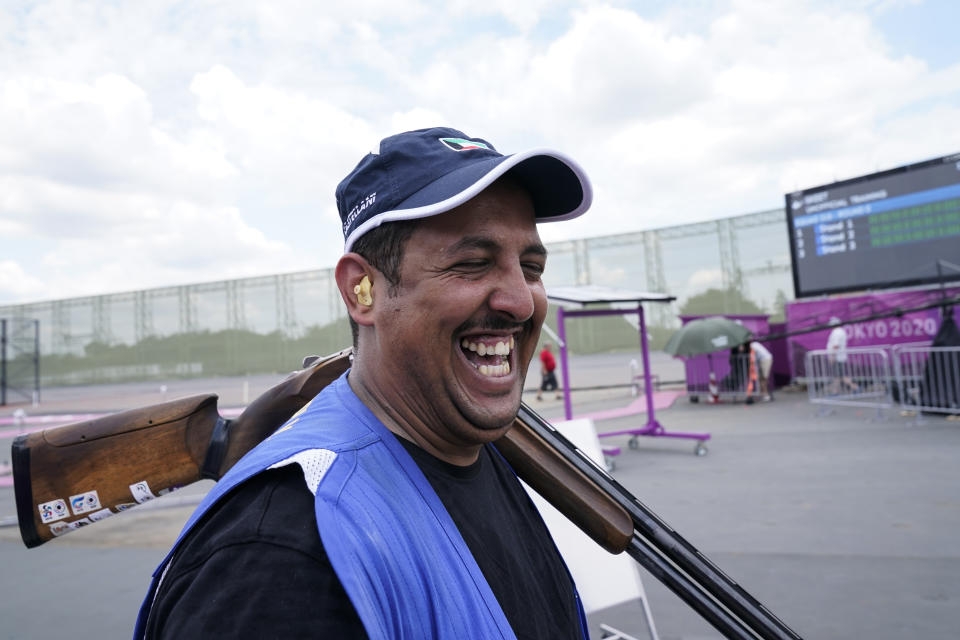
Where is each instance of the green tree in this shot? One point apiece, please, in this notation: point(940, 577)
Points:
point(719, 302)
point(779, 307)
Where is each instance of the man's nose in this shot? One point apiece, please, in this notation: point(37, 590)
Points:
point(513, 294)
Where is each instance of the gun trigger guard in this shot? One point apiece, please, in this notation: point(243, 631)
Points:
point(216, 450)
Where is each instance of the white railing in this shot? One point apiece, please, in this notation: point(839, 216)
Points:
point(919, 378)
point(859, 377)
point(927, 379)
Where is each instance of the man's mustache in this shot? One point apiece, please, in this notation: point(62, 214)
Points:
point(495, 323)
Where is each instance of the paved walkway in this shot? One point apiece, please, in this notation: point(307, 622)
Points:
point(843, 526)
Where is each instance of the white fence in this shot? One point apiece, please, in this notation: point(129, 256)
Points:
point(919, 378)
point(927, 379)
point(858, 377)
point(722, 378)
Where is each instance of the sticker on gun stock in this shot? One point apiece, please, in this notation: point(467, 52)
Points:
point(61, 528)
point(85, 502)
point(141, 492)
point(97, 516)
point(53, 511)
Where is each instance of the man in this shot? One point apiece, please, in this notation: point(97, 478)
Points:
point(548, 376)
point(381, 509)
point(837, 355)
point(764, 363)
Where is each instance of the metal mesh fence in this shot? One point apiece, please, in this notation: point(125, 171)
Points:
point(268, 323)
point(19, 360)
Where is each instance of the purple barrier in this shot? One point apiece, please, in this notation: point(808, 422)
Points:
point(780, 373)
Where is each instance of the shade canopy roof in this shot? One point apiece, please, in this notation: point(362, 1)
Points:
point(599, 294)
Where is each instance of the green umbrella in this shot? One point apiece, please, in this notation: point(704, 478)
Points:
point(707, 335)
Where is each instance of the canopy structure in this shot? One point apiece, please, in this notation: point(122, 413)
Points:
point(624, 300)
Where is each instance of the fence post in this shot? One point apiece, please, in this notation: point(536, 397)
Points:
point(36, 362)
point(3, 362)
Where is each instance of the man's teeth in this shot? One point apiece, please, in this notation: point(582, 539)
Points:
point(502, 348)
point(499, 349)
point(494, 371)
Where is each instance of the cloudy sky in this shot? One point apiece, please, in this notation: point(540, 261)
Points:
point(166, 142)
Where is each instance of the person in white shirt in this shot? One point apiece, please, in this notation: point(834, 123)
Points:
point(764, 362)
point(837, 355)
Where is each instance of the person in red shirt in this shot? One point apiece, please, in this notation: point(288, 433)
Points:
point(548, 379)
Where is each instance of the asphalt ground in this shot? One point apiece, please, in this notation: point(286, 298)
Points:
point(843, 525)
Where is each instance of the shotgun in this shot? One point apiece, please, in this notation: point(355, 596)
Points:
point(71, 476)
point(75, 475)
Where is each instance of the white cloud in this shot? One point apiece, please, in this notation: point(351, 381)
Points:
point(101, 134)
point(777, 100)
point(15, 283)
point(614, 67)
point(121, 203)
point(228, 125)
point(522, 15)
point(166, 244)
point(272, 130)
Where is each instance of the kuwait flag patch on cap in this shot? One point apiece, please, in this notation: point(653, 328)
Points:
point(461, 144)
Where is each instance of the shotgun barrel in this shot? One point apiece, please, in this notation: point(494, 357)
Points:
point(666, 554)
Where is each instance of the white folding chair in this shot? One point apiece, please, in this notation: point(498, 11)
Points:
point(603, 579)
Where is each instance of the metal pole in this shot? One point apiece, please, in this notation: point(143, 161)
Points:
point(651, 420)
point(550, 332)
point(36, 362)
point(561, 330)
point(3, 362)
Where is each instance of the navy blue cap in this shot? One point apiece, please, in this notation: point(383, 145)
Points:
point(429, 171)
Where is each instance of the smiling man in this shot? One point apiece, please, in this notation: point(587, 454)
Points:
point(382, 510)
point(443, 353)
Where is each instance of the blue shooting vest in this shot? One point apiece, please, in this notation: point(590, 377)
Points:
point(399, 555)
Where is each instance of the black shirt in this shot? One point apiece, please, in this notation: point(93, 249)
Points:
point(255, 567)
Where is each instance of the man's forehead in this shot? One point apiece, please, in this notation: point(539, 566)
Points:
point(469, 243)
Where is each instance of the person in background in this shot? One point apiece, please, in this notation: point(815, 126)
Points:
point(837, 355)
point(764, 363)
point(548, 375)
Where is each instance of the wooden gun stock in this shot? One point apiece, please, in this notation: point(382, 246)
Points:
point(71, 476)
point(567, 488)
point(93, 464)
point(170, 445)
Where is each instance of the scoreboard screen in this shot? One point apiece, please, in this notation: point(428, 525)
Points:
point(883, 230)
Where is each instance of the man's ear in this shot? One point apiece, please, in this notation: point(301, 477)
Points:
point(357, 281)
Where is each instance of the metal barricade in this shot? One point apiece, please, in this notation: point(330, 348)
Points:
point(719, 377)
point(861, 377)
point(927, 379)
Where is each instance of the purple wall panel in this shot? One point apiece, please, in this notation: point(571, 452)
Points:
point(914, 327)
